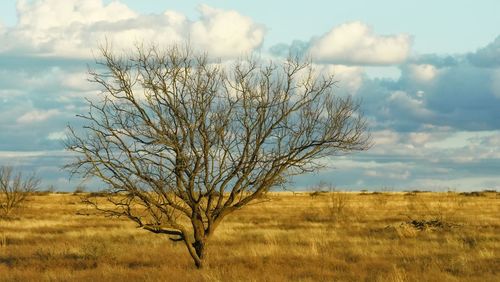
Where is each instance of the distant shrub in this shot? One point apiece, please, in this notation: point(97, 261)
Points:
point(79, 189)
point(41, 193)
point(15, 189)
point(317, 193)
point(99, 194)
point(338, 205)
point(473, 194)
point(489, 191)
point(49, 190)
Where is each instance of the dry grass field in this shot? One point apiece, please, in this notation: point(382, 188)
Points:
point(329, 237)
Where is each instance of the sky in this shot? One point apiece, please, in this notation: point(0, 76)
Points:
point(427, 73)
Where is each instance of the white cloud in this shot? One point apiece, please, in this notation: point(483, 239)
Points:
point(414, 117)
point(72, 28)
point(400, 175)
point(37, 116)
point(488, 56)
point(385, 137)
point(51, 27)
point(32, 154)
point(356, 43)
point(459, 183)
point(225, 32)
point(423, 72)
point(419, 138)
point(403, 103)
point(48, 14)
point(57, 135)
point(76, 81)
point(350, 78)
point(366, 164)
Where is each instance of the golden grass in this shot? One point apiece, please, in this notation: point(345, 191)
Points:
point(331, 237)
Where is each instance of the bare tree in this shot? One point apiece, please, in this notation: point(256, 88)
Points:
point(14, 189)
point(182, 142)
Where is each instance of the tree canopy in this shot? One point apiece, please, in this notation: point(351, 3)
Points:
point(182, 141)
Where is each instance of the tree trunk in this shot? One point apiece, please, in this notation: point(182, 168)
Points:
point(198, 262)
point(196, 250)
point(199, 248)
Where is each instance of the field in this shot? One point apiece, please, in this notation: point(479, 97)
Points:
point(287, 237)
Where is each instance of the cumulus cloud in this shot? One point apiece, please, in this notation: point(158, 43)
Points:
point(356, 43)
point(488, 56)
point(72, 28)
point(423, 72)
point(225, 32)
point(461, 97)
point(43, 62)
point(405, 164)
point(349, 78)
point(407, 106)
point(437, 121)
point(436, 60)
point(51, 27)
point(464, 98)
point(352, 43)
point(47, 14)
